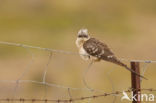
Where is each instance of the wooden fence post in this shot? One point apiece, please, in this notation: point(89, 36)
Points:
point(135, 80)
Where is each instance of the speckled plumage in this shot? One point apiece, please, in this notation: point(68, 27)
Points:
point(91, 48)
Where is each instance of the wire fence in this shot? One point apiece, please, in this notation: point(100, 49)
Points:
point(101, 93)
point(75, 99)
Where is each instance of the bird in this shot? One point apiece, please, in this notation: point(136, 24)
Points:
point(93, 49)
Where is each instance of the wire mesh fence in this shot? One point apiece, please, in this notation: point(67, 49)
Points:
point(68, 91)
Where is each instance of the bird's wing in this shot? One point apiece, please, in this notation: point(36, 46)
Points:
point(100, 50)
point(97, 48)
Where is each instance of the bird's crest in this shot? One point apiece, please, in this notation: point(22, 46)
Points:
point(83, 33)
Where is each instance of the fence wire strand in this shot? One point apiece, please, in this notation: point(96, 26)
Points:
point(66, 52)
point(77, 99)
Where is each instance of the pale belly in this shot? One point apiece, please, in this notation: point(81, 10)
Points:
point(84, 55)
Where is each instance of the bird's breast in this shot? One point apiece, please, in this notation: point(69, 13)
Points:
point(84, 55)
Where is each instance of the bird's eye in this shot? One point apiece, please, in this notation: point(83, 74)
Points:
point(80, 36)
point(83, 36)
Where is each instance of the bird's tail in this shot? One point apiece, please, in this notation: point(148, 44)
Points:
point(118, 62)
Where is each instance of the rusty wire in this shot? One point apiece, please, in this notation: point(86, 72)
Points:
point(75, 99)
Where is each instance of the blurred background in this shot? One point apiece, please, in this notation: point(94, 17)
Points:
point(129, 27)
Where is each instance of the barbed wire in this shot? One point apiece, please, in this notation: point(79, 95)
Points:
point(65, 52)
point(77, 99)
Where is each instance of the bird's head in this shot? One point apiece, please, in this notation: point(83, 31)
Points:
point(83, 34)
